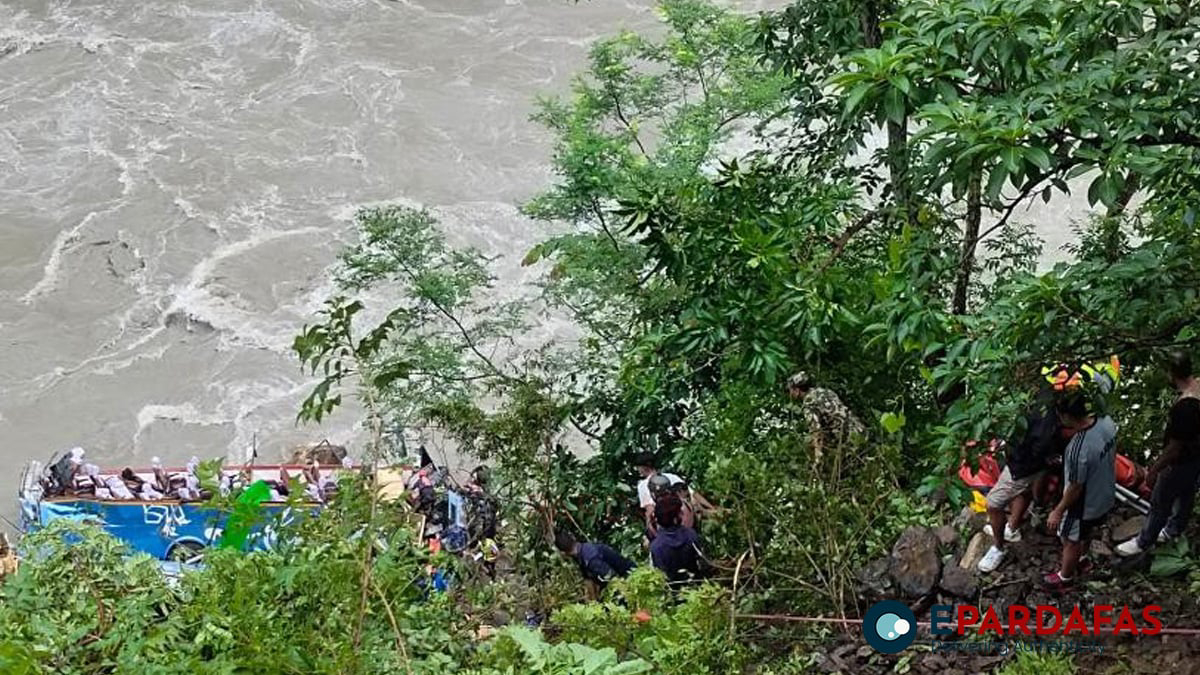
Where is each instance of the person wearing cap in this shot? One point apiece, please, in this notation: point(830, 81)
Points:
point(829, 420)
point(653, 483)
point(1174, 474)
point(648, 470)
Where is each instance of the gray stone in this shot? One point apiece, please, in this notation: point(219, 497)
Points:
point(915, 565)
point(874, 576)
point(959, 582)
point(1128, 529)
point(968, 519)
point(964, 516)
point(947, 535)
point(978, 546)
point(1100, 550)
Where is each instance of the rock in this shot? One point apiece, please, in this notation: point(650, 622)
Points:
point(1100, 550)
point(969, 519)
point(1128, 529)
point(915, 565)
point(947, 535)
point(959, 582)
point(978, 545)
point(874, 576)
point(960, 521)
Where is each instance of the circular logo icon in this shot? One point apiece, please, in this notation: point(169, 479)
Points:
point(889, 626)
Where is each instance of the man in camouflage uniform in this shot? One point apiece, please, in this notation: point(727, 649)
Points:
point(829, 420)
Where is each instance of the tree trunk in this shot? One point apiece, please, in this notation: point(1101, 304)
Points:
point(966, 264)
point(872, 33)
point(897, 156)
point(1132, 183)
point(897, 145)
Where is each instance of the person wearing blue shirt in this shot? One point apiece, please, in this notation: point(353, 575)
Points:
point(675, 548)
point(598, 563)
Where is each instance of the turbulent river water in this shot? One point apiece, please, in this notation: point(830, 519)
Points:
point(175, 178)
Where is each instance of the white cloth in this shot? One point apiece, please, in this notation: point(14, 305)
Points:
point(643, 489)
point(117, 487)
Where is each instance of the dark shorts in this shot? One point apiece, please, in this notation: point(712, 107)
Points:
point(1073, 528)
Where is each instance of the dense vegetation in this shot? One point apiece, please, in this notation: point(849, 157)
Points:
point(728, 220)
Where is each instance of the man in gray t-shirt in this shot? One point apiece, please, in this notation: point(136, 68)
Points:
point(1089, 478)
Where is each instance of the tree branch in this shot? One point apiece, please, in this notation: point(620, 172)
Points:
point(846, 236)
point(624, 120)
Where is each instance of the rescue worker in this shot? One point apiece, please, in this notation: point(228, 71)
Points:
point(829, 420)
point(1028, 457)
point(598, 563)
point(1173, 476)
point(654, 482)
point(1089, 476)
point(675, 550)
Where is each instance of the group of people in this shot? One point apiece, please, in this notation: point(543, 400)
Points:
point(1063, 424)
point(1066, 436)
point(672, 512)
point(74, 476)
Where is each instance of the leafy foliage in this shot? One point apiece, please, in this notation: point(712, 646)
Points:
point(725, 221)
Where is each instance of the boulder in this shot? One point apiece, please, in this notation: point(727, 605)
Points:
point(914, 564)
point(959, 582)
point(978, 546)
point(1128, 528)
point(874, 577)
point(947, 536)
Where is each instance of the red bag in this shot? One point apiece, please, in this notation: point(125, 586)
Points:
point(988, 473)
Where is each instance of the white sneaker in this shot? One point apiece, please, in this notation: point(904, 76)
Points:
point(1010, 535)
point(991, 560)
point(1129, 548)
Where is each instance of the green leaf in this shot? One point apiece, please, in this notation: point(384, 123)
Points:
point(996, 182)
point(1039, 157)
point(855, 98)
point(892, 422)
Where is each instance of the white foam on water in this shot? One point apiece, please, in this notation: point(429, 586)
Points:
point(51, 271)
point(15, 42)
point(195, 301)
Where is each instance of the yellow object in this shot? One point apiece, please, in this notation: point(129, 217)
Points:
point(393, 483)
point(1108, 373)
point(979, 502)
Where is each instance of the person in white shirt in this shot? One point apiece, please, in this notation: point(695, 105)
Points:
point(695, 502)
